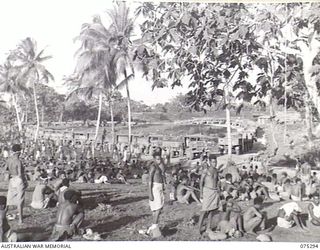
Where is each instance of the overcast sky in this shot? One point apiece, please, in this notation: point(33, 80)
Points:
point(54, 24)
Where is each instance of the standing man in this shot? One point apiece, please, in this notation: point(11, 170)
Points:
point(17, 181)
point(156, 188)
point(209, 192)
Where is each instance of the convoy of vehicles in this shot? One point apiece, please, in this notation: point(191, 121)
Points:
point(190, 146)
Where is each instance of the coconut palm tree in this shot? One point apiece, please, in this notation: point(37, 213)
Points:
point(32, 71)
point(10, 85)
point(121, 31)
point(99, 60)
point(111, 97)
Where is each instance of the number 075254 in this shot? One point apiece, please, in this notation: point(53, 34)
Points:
point(309, 246)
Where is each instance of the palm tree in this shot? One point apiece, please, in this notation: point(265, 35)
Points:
point(121, 31)
point(98, 62)
point(32, 72)
point(43, 103)
point(92, 75)
point(10, 85)
point(111, 97)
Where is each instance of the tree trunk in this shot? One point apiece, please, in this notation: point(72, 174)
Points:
point(129, 114)
point(17, 113)
point(23, 117)
point(42, 114)
point(228, 121)
point(98, 123)
point(112, 124)
point(271, 109)
point(285, 101)
point(272, 126)
point(309, 53)
point(37, 112)
point(27, 108)
point(308, 120)
point(61, 114)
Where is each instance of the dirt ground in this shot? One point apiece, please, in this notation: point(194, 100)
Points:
point(130, 212)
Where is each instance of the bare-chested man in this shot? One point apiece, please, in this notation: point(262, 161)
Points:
point(314, 210)
point(296, 190)
point(184, 192)
point(253, 218)
point(156, 188)
point(17, 182)
point(69, 216)
point(209, 192)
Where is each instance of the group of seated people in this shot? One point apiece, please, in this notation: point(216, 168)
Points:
point(69, 217)
point(240, 186)
point(236, 185)
point(84, 171)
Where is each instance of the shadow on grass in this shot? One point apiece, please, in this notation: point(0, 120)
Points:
point(109, 226)
point(90, 201)
point(128, 200)
point(171, 228)
point(33, 234)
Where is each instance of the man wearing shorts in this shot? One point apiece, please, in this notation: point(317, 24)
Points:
point(156, 187)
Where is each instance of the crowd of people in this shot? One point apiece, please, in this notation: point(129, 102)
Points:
point(53, 167)
point(222, 191)
point(219, 190)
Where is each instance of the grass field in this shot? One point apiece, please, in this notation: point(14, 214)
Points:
point(130, 212)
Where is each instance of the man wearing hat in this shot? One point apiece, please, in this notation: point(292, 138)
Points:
point(17, 181)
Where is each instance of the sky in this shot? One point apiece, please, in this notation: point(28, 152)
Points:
point(54, 24)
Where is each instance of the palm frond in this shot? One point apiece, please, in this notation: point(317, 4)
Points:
point(42, 59)
point(123, 83)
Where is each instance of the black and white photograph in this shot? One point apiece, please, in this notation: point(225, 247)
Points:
point(159, 121)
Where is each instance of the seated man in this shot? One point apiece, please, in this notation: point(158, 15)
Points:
point(63, 188)
point(100, 177)
point(82, 177)
point(290, 214)
point(272, 188)
point(232, 217)
point(228, 188)
point(70, 215)
point(121, 177)
point(259, 189)
point(283, 178)
point(42, 193)
point(58, 182)
point(184, 192)
point(245, 189)
point(173, 184)
point(296, 190)
point(285, 192)
point(253, 218)
point(314, 210)
point(6, 235)
point(36, 174)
